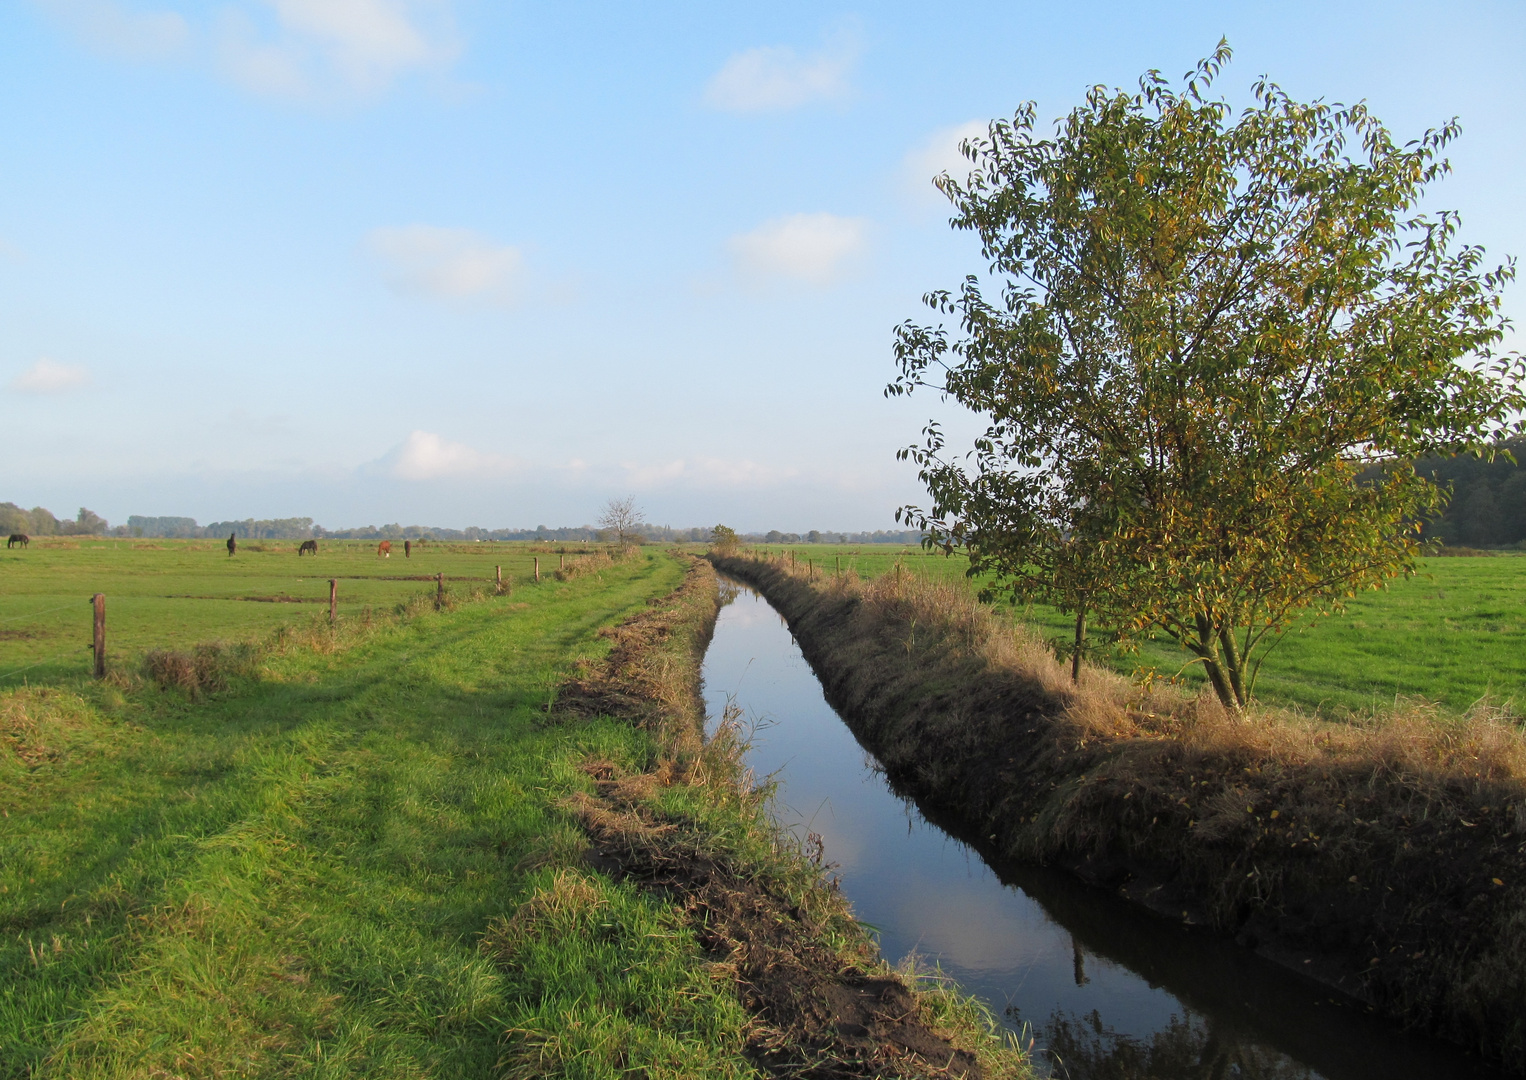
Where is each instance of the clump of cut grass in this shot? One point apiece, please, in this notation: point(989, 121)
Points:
point(568, 904)
point(41, 727)
point(1386, 849)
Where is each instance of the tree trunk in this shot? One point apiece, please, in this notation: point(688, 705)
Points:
point(1080, 645)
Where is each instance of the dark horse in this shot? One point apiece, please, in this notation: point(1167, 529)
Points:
point(407, 549)
point(307, 545)
point(18, 538)
point(232, 544)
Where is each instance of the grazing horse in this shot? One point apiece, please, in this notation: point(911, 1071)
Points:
point(18, 538)
point(384, 549)
point(232, 544)
point(407, 549)
point(307, 545)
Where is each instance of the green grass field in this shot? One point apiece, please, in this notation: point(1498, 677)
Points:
point(1453, 634)
point(176, 593)
point(292, 878)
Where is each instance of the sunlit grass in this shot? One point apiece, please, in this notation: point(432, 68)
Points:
point(293, 877)
point(1453, 634)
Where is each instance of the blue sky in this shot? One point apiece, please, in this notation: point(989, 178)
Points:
point(468, 262)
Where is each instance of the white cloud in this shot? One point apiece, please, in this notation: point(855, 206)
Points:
point(283, 48)
point(426, 456)
point(774, 77)
point(350, 47)
point(111, 27)
point(449, 263)
point(808, 247)
point(704, 473)
point(50, 377)
point(940, 154)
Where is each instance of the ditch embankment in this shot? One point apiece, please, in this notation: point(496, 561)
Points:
point(1387, 860)
point(823, 1002)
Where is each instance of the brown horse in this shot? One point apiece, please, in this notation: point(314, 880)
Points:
point(18, 538)
point(407, 549)
point(384, 549)
point(232, 544)
point(307, 545)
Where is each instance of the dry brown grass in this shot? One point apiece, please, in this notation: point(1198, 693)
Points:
point(1387, 852)
point(206, 668)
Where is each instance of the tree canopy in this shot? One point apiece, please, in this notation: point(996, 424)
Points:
point(1208, 326)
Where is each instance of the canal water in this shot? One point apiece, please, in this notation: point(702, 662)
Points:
point(1107, 991)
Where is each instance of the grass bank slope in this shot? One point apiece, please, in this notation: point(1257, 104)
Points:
point(1387, 859)
point(365, 853)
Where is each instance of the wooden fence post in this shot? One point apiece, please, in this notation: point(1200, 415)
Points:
point(333, 599)
point(498, 576)
point(98, 643)
point(561, 562)
point(537, 566)
point(439, 590)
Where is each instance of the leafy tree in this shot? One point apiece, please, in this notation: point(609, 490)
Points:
point(1207, 326)
point(87, 523)
point(723, 540)
point(622, 517)
point(43, 522)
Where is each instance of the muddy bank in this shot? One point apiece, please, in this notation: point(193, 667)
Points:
point(824, 1004)
point(1388, 864)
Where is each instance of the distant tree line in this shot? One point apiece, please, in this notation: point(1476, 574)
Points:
point(40, 521)
point(879, 536)
point(1487, 508)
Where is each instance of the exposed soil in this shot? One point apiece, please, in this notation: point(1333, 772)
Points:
point(817, 1018)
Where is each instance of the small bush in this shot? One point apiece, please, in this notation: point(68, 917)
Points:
point(205, 669)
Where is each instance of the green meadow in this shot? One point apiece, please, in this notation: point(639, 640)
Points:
point(297, 876)
point(1453, 634)
point(178, 593)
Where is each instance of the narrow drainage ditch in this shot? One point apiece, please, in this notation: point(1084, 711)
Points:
point(1107, 991)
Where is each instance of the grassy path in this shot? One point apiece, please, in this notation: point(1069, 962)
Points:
point(292, 878)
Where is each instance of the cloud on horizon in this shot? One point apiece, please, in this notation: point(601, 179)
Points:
point(772, 78)
point(50, 377)
point(448, 263)
point(423, 455)
point(813, 248)
point(704, 473)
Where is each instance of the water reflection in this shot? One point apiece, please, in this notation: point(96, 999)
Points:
point(1111, 991)
point(1187, 1048)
